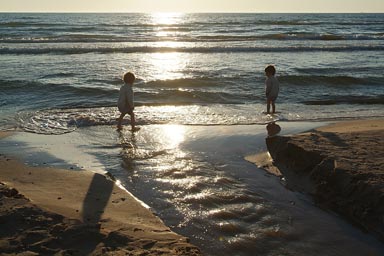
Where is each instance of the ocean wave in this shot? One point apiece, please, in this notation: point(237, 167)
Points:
point(59, 121)
point(71, 38)
point(224, 36)
point(28, 23)
point(154, 25)
point(36, 85)
point(16, 85)
point(57, 50)
point(112, 85)
point(13, 24)
point(40, 94)
point(152, 93)
point(187, 24)
point(184, 83)
point(331, 80)
point(362, 100)
point(185, 91)
point(60, 74)
point(291, 36)
point(182, 97)
point(331, 71)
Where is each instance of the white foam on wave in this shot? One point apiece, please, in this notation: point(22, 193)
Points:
point(62, 121)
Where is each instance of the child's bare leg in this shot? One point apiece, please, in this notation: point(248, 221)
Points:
point(133, 121)
point(273, 107)
point(120, 120)
point(268, 106)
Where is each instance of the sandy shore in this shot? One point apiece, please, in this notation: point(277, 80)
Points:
point(48, 211)
point(341, 165)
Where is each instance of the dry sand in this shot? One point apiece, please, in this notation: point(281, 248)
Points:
point(341, 165)
point(48, 211)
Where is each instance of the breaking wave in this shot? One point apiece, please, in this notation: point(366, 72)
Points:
point(57, 50)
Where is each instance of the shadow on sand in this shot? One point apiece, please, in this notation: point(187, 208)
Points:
point(94, 205)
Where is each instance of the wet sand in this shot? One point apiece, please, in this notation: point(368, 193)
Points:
point(265, 219)
point(49, 211)
point(341, 165)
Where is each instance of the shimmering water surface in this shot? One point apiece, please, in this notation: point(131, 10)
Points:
point(199, 102)
point(329, 65)
point(195, 178)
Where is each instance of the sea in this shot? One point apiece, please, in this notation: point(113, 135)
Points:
point(200, 104)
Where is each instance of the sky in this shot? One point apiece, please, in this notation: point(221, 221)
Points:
point(192, 6)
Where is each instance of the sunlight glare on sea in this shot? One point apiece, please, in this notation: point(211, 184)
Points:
point(167, 65)
point(172, 135)
point(167, 18)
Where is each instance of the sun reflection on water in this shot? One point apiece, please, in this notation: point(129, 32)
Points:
point(167, 18)
point(173, 135)
point(168, 65)
point(167, 24)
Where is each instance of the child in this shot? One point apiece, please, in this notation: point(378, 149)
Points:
point(125, 103)
point(271, 88)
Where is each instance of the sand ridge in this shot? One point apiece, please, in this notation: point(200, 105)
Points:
point(341, 165)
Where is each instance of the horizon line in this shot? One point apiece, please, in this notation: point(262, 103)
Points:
point(203, 12)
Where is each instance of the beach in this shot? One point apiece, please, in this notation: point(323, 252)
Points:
point(341, 166)
point(199, 99)
point(50, 205)
point(77, 213)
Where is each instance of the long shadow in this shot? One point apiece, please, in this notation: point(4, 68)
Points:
point(95, 202)
point(333, 138)
point(101, 187)
point(99, 191)
point(72, 236)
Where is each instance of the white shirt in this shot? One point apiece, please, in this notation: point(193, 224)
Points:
point(126, 97)
point(271, 86)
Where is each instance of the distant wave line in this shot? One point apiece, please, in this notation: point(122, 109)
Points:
point(225, 36)
point(191, 23)
point(362, 100)
point(145, 49)
point(308, 80)
point(197, 84)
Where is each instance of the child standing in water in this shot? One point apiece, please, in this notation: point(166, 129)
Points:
point(125, 102)
point(271, 88)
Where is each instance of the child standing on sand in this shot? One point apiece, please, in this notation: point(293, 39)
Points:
point(271, 88)
point(125, 102)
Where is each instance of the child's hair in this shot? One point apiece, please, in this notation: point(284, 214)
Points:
point(129, 78)
point(270, 69)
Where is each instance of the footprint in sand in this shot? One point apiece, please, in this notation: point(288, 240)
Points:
point(116, 201)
